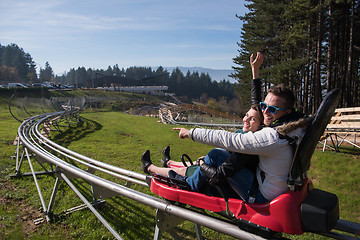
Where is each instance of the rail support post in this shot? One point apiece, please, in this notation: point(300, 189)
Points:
point(166, 223)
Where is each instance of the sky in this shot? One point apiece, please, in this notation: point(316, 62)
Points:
point(97, 34)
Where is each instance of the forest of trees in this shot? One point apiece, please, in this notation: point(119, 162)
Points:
point(311, 46)
point(18, 66)
point(192, 85)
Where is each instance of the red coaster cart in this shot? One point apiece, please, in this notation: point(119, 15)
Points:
point(301, 209)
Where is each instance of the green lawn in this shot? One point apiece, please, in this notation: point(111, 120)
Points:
point(120, 139)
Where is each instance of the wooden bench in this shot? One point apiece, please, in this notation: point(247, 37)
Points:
point(344, 126)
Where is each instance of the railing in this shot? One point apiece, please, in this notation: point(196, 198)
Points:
point(166, 115)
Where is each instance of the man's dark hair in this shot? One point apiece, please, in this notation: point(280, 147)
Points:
point(281, 91)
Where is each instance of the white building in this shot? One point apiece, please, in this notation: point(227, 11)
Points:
point(154, 90)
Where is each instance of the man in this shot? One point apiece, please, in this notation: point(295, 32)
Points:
point(274, 152)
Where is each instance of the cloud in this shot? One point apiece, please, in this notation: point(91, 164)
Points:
point(70, 16)
point(77, 32)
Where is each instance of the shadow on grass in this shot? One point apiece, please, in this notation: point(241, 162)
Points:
point(129, 217)
point(345, 150)
point(76, 133)
point(350, 150)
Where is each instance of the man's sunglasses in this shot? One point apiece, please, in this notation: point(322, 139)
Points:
point(272, 109)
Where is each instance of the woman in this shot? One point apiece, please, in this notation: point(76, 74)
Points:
point(252, 122)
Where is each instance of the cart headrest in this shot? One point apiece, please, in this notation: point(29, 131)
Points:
point(314, 131)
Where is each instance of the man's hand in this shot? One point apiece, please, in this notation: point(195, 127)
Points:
point(255, 65)
point(183, 132)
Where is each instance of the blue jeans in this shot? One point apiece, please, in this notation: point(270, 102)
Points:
point(241, 182)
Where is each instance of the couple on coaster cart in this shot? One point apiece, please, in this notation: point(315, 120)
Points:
point(258, 142)
point(256, 166)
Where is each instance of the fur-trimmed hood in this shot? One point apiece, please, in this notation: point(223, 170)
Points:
point(288, 127)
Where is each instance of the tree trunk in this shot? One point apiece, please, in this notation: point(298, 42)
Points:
point(317, 74)
point(349, 96)
point(329, 53)
point(343, 56)
point(307, 73)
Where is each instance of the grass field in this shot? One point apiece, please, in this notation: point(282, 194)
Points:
point(120, 139)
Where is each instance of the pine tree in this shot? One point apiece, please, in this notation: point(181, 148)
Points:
point(46, 74)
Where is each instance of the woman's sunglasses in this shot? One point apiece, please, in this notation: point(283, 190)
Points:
point(272, 109)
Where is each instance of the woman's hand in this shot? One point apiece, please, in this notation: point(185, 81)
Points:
point(183, 132)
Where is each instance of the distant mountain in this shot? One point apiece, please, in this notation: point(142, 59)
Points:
point(215, 74)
